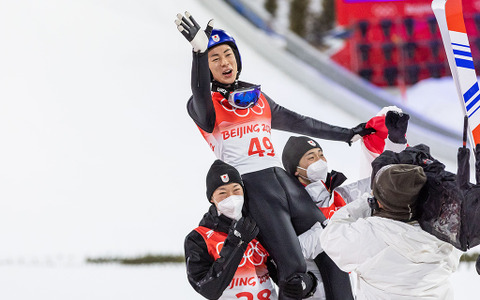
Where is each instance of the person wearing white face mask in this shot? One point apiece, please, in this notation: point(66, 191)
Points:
point(224, 259)
point(303, 158)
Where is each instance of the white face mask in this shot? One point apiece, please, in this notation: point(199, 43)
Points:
point(317, 171)
point(231, 207)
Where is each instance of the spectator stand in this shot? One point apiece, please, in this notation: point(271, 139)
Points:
point(397, 43)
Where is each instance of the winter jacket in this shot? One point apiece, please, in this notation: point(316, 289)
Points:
point(392, 259)
point(219, 267)
point(323, 194)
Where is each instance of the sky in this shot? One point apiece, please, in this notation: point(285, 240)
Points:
point(98, 155)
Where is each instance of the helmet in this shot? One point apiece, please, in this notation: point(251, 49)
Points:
point(219, 37)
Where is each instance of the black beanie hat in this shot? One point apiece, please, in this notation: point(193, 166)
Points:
point(396, 188)
point(221, 173)
point(294, 149)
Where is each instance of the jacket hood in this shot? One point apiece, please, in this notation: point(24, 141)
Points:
point(212, 220)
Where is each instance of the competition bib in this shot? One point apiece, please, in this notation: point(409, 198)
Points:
point(242, 137)
point(251, 280)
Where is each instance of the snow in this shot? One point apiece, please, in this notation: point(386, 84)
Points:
point(438, 100)
point(98, 155)
point(95, 282)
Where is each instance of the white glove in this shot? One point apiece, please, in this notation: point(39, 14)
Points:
point(193, 33)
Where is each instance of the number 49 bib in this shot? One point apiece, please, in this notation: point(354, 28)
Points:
point(242, 137)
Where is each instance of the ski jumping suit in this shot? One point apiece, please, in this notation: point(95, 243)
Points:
point(240, 271)
point(277, 202)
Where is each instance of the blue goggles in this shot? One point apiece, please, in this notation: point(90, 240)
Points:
point(245, 97)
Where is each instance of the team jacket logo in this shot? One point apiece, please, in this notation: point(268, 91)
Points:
point(210, 233)
point(257, 109)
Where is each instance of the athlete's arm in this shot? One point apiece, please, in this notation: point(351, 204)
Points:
point(200, 105)
point(287, 120)
point(207, 276)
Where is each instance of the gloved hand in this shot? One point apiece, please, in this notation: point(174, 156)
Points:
point(244, 229)
point(360, 131)
point(300, 286)
point(397, 123)
point(192, 32)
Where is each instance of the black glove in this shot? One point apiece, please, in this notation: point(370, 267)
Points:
point(397, 124)
point(191, 31)
point(244, 230)
point(300, 286)
point(477, 163)
point(360, 131)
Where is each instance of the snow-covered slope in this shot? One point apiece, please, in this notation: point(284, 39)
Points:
point(98, 155)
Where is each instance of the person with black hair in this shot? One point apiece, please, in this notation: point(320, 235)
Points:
point(236, 118)
point(303, 157)
point(224, 259)
point(222, 256)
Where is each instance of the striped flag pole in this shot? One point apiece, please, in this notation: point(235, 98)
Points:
point(449, 15)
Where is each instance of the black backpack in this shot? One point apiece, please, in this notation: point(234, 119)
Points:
point(449, 205)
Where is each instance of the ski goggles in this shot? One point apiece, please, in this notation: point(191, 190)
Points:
point(245, 97)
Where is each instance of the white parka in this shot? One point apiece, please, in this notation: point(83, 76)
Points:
point(392, 259)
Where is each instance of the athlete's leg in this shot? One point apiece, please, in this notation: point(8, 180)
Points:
point(267, 204)
point(303, 212)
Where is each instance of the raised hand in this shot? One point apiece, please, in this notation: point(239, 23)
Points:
point(397, 124)
point(192, 32)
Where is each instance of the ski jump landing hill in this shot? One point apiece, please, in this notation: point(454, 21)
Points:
point(317, 72)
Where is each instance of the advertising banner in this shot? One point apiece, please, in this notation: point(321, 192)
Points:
point(350, 11)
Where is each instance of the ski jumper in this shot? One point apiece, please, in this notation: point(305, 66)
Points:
point(236, 272)
point(277, 202)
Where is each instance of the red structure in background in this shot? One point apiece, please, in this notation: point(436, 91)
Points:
point(397, 42)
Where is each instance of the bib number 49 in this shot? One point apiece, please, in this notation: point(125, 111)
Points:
point(258, 148)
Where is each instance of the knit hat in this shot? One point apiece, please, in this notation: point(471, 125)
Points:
point(294, 149)
point(221, 173)
point(396, 188)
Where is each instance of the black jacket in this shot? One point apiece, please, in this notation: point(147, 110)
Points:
point(210, 277)
point(448, 205)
